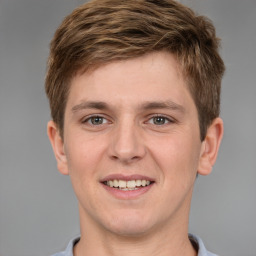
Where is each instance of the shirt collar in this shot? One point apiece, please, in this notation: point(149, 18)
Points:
point(201, 248)
point(194, 239)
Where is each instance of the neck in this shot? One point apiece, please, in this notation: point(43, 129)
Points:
point(165, 241)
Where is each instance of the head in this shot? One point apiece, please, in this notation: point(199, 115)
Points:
point(107, 137)
point(104, 31)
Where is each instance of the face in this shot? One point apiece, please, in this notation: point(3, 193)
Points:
point(131, 145)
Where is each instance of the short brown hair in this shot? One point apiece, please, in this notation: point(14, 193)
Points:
point(102, 31)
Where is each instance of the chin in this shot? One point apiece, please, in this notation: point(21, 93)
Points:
point(129, 225)
point(129, 230)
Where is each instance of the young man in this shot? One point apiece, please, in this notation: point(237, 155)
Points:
point(134, 91)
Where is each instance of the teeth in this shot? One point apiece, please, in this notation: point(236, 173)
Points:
point(138, 183)
point(122, 184)
point(115, 183)
point(131, 184)
point(127, 185)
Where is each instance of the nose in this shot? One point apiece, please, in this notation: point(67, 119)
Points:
point(127, 144)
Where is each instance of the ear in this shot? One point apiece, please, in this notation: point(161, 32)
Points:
point(210, 147)
point(58, 147)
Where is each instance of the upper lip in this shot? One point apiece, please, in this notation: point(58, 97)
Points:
point(126, 177)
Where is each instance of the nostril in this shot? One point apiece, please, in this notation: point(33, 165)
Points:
point(126, 144)
point(114, 157)
point(125, 159)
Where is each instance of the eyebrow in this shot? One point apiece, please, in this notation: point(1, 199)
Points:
point(169, 104)
point(144, 106)
point(90, 105)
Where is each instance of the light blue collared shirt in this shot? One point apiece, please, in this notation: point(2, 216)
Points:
point(201, 248)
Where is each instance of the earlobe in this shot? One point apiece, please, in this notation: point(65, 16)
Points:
point(210, 147)
point(58, 147)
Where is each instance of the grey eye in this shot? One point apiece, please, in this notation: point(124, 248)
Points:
point(159, 120)
point(96, 120)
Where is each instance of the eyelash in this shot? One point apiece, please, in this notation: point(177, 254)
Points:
point(167, 120)
point(89, 120)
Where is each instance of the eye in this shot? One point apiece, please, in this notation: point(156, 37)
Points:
point(159, 120)
point(95, 120)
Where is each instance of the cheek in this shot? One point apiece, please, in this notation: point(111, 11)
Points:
point(82, 158)
point(83, 151)
point(178, 156)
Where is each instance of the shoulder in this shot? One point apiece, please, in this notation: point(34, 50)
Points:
point(201, 248)
point(69, 249)
point(59, 254)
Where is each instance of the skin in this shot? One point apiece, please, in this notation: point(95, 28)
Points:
point(134, 117)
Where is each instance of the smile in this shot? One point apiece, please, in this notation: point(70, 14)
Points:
point(127, 185)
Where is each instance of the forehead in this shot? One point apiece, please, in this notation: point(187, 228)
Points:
point(153, 77)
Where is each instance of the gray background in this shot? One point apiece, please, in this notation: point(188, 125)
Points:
point(38, 210)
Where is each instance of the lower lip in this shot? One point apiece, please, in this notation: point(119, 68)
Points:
point(127, 194)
